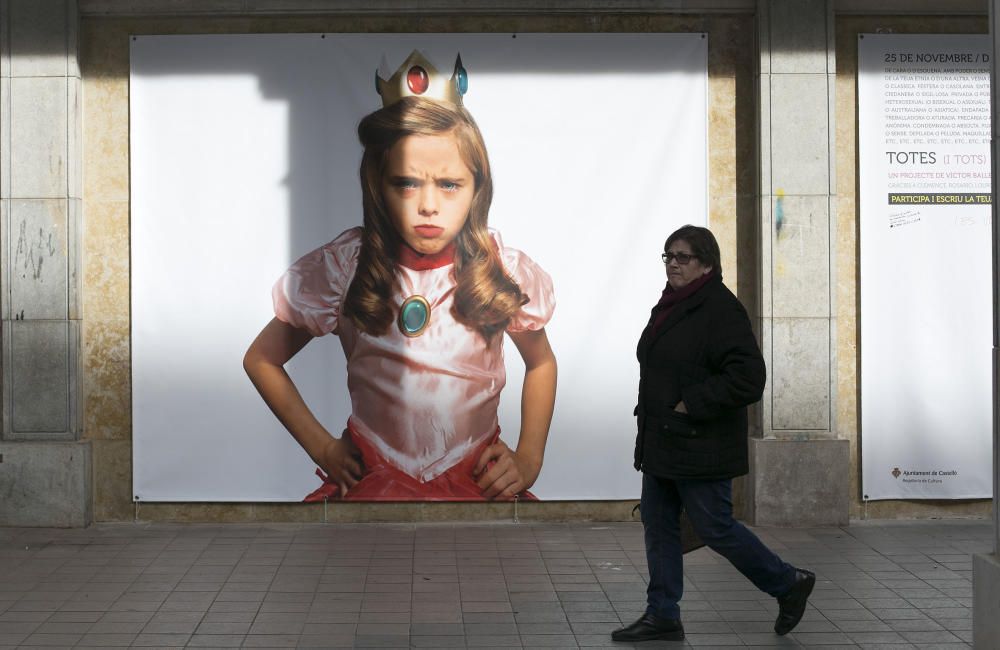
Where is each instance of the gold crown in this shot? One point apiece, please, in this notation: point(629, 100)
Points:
point(418, 77)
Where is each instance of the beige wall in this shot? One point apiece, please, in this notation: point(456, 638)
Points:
point(848, 305)
point(107, 402)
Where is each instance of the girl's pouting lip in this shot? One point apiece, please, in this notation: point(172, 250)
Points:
point(430, 232)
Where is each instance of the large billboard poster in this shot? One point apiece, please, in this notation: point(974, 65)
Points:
point(247, 202)
point(924, 169)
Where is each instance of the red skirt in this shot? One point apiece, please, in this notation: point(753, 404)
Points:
point(385, 482)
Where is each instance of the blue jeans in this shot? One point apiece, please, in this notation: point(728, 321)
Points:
point(710, 508)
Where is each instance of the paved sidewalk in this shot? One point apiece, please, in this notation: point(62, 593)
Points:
point(503, 585)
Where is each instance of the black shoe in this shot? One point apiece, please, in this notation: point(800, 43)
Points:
point(792, 605)
point(648, 628)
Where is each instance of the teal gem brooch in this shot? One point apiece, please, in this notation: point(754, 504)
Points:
point(414, 316)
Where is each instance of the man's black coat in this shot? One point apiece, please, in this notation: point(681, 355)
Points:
point(705, 355)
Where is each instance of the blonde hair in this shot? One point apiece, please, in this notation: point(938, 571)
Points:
point(486, 297)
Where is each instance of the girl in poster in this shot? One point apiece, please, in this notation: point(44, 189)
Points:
point(420, 297)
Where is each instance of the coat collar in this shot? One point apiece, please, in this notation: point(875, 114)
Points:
point(679, 313)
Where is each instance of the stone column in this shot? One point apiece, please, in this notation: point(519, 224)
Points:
point(799, 468)
point(986, 566)
point(44, 468)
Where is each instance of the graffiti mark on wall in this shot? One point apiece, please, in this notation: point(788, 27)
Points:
point(779, 212)
point(31, 252)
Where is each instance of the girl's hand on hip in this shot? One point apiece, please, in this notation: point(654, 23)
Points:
point(510, 474)
point(342, 463)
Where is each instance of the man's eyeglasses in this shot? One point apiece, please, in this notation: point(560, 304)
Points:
point(682, 258)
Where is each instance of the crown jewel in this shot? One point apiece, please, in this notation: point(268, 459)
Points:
point(418, 77)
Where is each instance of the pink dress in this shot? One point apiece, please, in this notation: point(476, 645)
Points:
point(423, 408)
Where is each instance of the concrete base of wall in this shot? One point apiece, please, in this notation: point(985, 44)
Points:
point(355, 512)
point(45, 484)
point(799, 483)
point(985, 601)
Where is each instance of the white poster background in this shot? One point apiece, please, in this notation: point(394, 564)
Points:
point(244, 156)
point(924, 128)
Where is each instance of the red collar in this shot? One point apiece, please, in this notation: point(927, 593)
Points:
point(411, 259)
point(670, 297)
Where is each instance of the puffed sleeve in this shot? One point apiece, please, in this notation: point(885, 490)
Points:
point(536, 284)
point(308, 294)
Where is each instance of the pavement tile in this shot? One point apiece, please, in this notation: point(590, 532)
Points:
point(501, 641)
point(712, 640)
point(932, 636)
point(440, 641)
point(915, 625)
point(216, 641)
point(326, 641)
point(548, 641)
point(19, 627)
point(485, 629)
point(64, 640)
point(881, 585)
point(768, 640)
point(591, 617)
point(746, 627)
point(108, 640)
point(50, 627)
point(910, 613)
point(220, 627)
point(170, 627)
point(559, 628)
point(382, 641)
point(161, 640)
point(875, 637)
point(871, 625)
